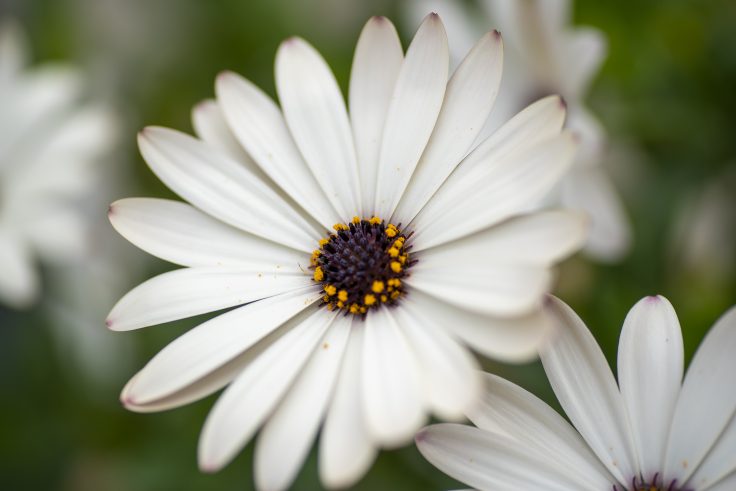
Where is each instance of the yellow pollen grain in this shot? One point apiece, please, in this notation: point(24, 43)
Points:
point(342, 295)
point(384, 298)
point(391, 231)
point(363, 310)
point(377, 286)
point(394, 282)
point(354, 308)
point(323, 242)
point(393, 252)
point(326, 299)
point(330, 290)
point(369, 299)
point(318, 274)
point(340, 226)
point(340, 304)
point(395, 267)
point(330, 306)
point(395, 295)
point(356, 220)
point(402, 259)
point(375, 221)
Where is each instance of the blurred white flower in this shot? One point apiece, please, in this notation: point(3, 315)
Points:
point(49, 143)
point(656, 433)
point(545, 55)
point(363, 327)
point(704, 241)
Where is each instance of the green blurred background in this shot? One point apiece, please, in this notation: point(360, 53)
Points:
point(666, 94)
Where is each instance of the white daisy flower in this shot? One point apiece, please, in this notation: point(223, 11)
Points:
point(365, 248)
point(48, 145)
point(652, 432)
point(547, 56)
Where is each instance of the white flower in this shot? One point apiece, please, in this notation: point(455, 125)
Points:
point(547, 56)
point(429, 252)
point(656, 433)
point(48, 145)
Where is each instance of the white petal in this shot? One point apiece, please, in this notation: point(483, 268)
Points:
point(19, 281)
point(210, 346)
point(285, 439)
point(587, 391)
point(452, 382)
point(259, 126)
point(585, 50)
point(541, 238)
point(391, 382)
point(591, 190)
point(511, 339)
point(707, 400)
point(468, 100)
point(58, 232)
point(727, 484)
point(650, 367)
point(253, 395)
point(187, 292)
point(415, 106)
point(508, 409)
point(499, 289)
point(210, 125)
point(489, 461)
point(13, 49)
point(315, 112)
point(346, 450)
point(376, 64)
point(720, 461)
point(179, 233)
point(213, 182)
point(492, 191)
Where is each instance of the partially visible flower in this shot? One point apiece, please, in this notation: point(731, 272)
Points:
point(363, 251)
point(49, 143)
point(547, 56)
point(704, 236)
point(656, 433)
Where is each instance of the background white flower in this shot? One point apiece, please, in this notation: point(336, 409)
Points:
point(49, 145)
point(400, 169)
point(545, 55)
point(657, 432)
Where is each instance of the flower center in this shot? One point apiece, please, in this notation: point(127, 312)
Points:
point(655, 484)
point(361, 265)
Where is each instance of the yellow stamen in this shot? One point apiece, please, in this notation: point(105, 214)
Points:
point(319, 275)
point(326, 299)
point(395, 295)
point(369, 299)
point(377, 286)
point(340, 226)
point(395, 267)
point(384, 298)
point(391, 230)
point(330, 290)
point(356, 220)
point(354, 309)
point(393, 252)
point(340, 304)
point(375, 221)
point(323, 242)
point(342, 295)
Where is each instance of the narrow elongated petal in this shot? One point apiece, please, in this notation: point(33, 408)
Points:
point(720, 462)
point(587, 391)
point(585, 49)
point(650, 367)
point(285, 439)
point(179, 233)
point(259, 126)
point(491, 288)
point(210, 125)
point(450, 374)
point(19, 282)
point(187, 292)
point(391, 383)
point(489, 461)
point(315, 112)
point(415, 106)
point(218, 185)
point(210, 346)
point(493, 191)
point(468, 100)
point(709, 378)
point(510, 410)
point(346, 450)
point(541, 238)
point(376, 64)
point(248, 401)
point(511, 339)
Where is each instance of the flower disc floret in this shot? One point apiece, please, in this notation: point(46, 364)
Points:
point(361, 265)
